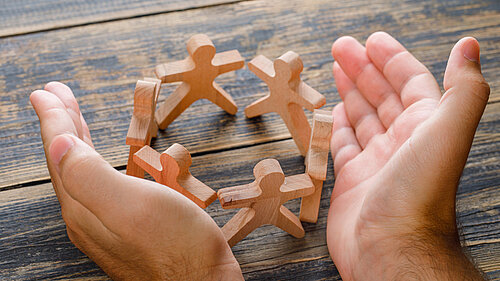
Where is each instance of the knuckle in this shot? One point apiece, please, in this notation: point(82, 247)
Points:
point(478, 85)
point(79, 165)
point(55, 112)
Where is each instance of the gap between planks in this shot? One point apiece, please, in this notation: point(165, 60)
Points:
point(124, 15)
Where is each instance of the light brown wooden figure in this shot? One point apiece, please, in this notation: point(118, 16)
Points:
point(197, 73)
point(171, 168)
point(288, 95)
point(262, 201)
point(317, 163)
point(142, 126)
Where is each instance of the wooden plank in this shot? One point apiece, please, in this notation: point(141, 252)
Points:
point(28, 16)
point(35, 246)
point(103, 62)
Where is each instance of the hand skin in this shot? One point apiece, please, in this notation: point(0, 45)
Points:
point(132, 228)
point(399, 148)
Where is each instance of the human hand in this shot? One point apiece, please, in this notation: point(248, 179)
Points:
point(132, 228)
point(399, 148)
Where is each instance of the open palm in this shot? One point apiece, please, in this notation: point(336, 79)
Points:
point(392, 133)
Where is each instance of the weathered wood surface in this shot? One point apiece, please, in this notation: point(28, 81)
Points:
point(34, 244)
point(27, 16)
point(102, 63)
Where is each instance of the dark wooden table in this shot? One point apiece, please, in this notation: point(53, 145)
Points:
point(101, 48)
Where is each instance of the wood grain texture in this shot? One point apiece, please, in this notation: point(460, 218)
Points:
point(103, 62)
point(26, 16)
point(34, 244)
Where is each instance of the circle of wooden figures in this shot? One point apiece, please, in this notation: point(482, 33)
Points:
point(261, 201)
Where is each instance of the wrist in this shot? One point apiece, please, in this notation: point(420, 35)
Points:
point(226, 272)
point(415, 255)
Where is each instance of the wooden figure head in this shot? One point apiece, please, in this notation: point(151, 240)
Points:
point(177, 159)
point(269, 177)
point(200, 48)
point(288, 67)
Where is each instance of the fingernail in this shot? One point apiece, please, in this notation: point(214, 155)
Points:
point(59, 147)
point(471, 51)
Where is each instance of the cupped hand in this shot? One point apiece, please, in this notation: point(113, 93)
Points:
point(399, 148)
point(132, 228)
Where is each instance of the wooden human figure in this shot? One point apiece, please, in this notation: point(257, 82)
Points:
point(317, 163)
point(142, 126)
point(262, 201)
point(197, 73)
point(171, 168)
point(288, 95)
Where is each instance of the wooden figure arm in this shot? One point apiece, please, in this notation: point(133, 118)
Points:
point(238, 196)
point(296, 186)
point(174, 71)
point(228, 61)
point(310, 98)
point(262, 67)
point(149, 160)
point(139, 132)
point(198, 192)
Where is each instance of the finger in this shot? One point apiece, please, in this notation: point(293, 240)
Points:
point(344, 144)
point(362, 116)
point(86, 132)
point(54, 118)
point(66, 96)
point(352, 57)
point(114, 198)
point(410, 78)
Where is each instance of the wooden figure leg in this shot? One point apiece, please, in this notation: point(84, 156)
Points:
point(309, 206)
point(296, 122)
point(173, 106)
point(239, 226)
point(132, 168)
point(223, 100)
point(154, 130)
point(258, 107)
point(290, 223)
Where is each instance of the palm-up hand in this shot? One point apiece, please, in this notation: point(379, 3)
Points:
point(132, 228)
point(399, 148)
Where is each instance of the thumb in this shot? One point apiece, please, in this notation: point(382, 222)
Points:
point(466, 90)
point(85, 175)
point(440, 146)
